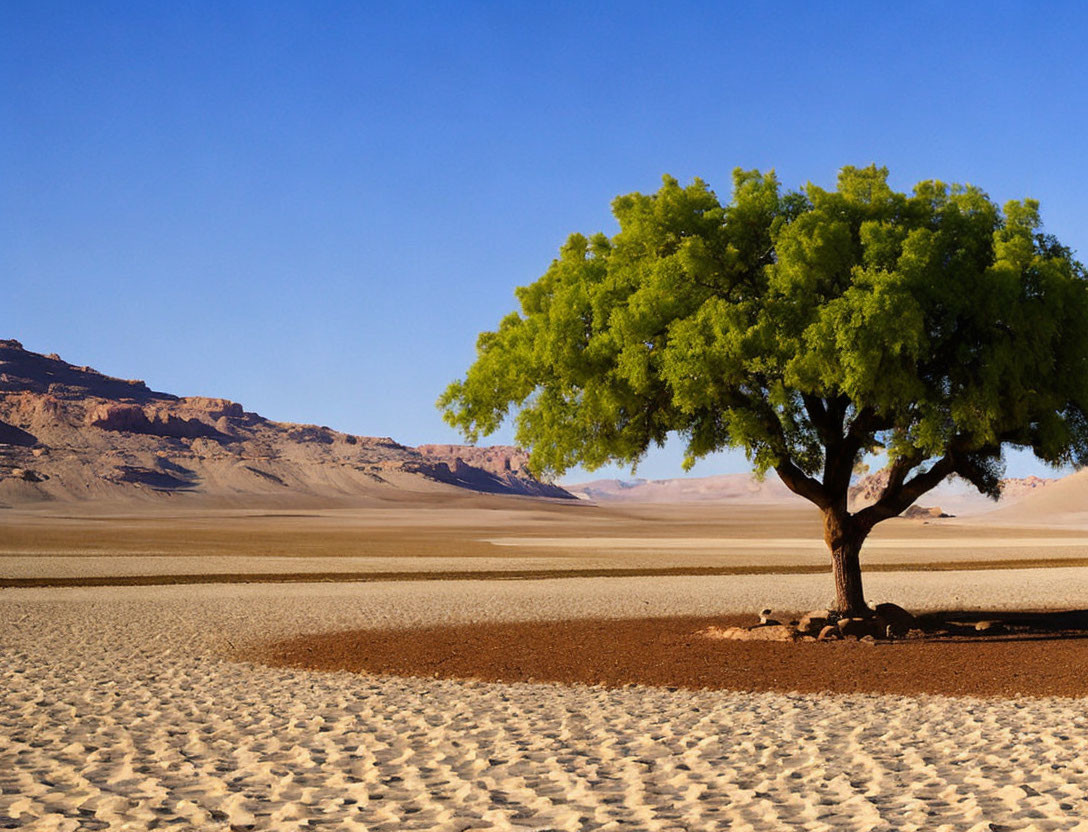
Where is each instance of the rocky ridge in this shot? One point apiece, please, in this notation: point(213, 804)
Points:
point(962, 497)
point(497, 468)
point(70, 432)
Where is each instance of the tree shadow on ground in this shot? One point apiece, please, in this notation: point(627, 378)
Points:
point(1005, 625)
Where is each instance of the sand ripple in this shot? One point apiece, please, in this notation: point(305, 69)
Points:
point(119, 711)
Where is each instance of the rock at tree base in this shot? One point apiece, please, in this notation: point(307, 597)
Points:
point(828, 633)
point(898, 619)
point(765, 619)
point(889, 622)
point(859, 627)
point(813, 622)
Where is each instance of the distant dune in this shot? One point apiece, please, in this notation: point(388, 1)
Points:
point(71, 433)
point(1063, 502)
point(733, 488)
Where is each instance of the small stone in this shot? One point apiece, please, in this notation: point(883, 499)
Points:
point(896, 617)
point(828, 633)
point(813, 622)
point(27, 474)
point(855, 627)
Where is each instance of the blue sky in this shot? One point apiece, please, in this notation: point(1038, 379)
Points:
point(313, 208)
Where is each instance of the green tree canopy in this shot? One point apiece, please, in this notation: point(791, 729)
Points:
point(804, 327)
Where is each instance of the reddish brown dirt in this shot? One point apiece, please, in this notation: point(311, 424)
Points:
point(670, 653)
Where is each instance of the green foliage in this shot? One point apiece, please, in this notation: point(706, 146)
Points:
point(803, 327)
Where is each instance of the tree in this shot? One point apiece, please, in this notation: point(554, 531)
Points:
point(807, 328)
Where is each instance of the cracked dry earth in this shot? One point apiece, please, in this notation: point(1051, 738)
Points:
point(120, 710)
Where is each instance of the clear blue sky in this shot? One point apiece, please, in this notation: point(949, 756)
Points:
point(313, 208)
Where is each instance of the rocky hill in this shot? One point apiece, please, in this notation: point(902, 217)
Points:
point(499, 468)
point(954, 495)
point(70, 432)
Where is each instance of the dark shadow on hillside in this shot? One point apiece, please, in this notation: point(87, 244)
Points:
point(487, 482)
point(157, 480)
point(11, 435)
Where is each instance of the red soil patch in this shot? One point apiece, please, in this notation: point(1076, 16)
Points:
point(1045, 660)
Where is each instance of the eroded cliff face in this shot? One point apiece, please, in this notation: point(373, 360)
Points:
point(499, 469)
point(71, 433)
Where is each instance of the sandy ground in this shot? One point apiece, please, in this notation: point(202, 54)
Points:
point(121, 709)
point(485, 535)
point(124, 707)
point(724, 556)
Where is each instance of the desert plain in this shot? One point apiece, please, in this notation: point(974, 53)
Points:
point(146, 683)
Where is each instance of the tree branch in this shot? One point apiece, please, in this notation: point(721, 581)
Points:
point(864, 424)
point(897, 473)
point(900, 495)
point(817, 414)
point(802, 484)
point(841, 448)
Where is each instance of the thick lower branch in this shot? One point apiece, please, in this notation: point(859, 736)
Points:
point(802, 484)
point(899, 495)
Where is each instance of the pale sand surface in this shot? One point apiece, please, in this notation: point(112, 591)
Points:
point(763, 544)
point(64, 566)
point(588, 556)
point(120, 709)
point(495, 535)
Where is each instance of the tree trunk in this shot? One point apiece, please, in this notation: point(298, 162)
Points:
point(844, 539)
